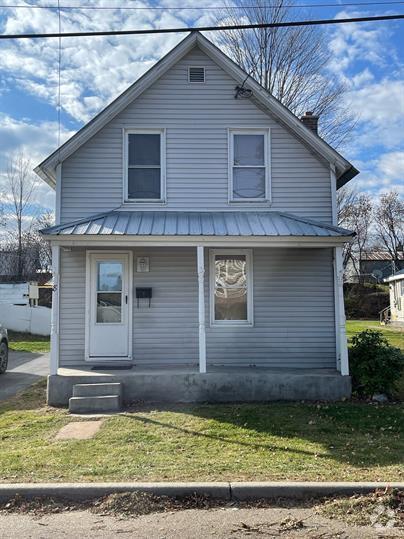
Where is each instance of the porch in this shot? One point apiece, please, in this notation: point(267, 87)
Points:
point(220, 317)
point(218, 384)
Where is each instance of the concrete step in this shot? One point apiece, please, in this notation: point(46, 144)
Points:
point(95, 405)
point(97, 390)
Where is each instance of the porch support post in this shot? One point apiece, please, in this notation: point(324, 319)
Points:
point(54, 354)
point(341, 339)
point(201, 310)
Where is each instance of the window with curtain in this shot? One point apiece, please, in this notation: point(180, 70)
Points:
point(231, 290)
point(249, 165)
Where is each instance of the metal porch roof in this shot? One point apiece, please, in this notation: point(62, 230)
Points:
point(178, 223)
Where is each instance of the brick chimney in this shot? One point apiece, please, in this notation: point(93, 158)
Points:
point(310, 121)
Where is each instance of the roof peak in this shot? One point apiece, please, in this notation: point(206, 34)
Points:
point(47, 169)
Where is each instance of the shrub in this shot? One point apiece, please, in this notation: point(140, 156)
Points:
point(375, 365)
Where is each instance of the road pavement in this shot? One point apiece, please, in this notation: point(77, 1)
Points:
point(222, 523)
point(24, 369)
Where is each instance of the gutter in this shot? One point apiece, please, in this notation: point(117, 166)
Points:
point(347, 176)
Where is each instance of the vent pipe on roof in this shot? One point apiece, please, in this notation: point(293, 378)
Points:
point(310, 121)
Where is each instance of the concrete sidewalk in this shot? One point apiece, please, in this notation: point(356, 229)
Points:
point(24, 369)
point(223, 491)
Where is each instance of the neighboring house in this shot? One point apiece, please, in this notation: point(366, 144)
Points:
point(196, 242)
point(377, 265)
point(394, 314)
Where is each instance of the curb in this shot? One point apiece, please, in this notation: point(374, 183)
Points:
point(223, 491)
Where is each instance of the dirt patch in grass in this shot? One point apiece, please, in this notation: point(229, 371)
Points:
point(381, 509)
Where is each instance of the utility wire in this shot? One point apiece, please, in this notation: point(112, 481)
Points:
point(206, 28)
point(59, 104)
point(196, 8)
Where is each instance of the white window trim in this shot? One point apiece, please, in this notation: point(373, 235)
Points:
point(189, 75)
point(250, 302)
point(231, 131)
point(143, 201)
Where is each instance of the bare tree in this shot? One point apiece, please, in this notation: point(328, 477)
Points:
point(291, 63)
point(346, 199)
point(35, 239)
point(21, 185)
point(389, 224)
point(356, 214)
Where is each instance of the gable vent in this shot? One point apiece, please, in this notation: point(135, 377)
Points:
point(196, 74)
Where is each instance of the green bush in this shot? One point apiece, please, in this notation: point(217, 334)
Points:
point(375, 365)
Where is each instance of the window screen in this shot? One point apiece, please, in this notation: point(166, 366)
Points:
point(144, 166)
point(249, 166)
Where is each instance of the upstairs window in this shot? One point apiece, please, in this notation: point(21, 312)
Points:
point(249, 165)
point(145, 166)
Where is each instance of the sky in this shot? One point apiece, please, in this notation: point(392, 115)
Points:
point(367, 57)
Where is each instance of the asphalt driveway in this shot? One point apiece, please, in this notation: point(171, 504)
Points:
point(24, 369)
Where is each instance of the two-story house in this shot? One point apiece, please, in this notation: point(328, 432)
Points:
point(196, 255)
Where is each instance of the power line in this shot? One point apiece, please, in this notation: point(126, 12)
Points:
point(206, 28)
point(196, 8)
point(59, 105)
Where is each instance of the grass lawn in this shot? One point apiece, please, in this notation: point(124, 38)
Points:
point(393, 334)
point(278, 441)
point(25, 342)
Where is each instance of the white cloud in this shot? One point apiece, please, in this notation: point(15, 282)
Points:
point(352, 42)
point(35, 141)
point(94, 70)
point(380, 111)
point(391, 165)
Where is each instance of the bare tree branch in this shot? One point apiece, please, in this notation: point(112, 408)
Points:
point(21, 187)
point(389, 224)
point(355, 212)
point(290, 63)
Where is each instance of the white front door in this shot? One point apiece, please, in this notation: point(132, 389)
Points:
point(108, 309)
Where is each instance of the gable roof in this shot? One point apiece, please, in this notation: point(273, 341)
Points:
point(344, 170)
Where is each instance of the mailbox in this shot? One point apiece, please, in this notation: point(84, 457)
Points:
point(143, 293)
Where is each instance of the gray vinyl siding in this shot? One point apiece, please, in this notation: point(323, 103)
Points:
point(293, 314)
point(72, 306)
point(167, 332)
point(196, 118)
point(293, 311)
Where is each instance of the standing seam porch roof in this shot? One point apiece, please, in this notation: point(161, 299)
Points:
point(175, 223)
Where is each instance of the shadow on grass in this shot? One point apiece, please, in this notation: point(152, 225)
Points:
point(358, 434)
point(32, 398)
point(253, 445)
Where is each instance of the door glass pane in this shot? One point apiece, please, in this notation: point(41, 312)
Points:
point(144, 149)
point(249, 182)
point(144, 183)
point(109, 276)
point(249, 150)
point(109, 307)
point(230, 271)
point(230, 304)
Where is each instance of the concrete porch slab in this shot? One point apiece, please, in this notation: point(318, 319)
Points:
point(217, 385)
